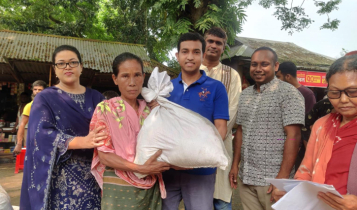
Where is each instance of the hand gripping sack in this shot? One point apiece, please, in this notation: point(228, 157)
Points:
point(186, 138)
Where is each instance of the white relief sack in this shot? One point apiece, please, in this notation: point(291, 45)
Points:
point(186, 138)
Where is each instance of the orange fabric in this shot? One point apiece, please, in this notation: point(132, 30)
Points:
point(318, 152)
point(327, 139)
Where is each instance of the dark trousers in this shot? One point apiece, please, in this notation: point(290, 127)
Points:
point(195, 190)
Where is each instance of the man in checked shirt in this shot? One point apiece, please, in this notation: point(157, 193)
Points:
point(269, 111)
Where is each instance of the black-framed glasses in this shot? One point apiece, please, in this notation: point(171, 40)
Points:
point(336, 94)
point(62, 65)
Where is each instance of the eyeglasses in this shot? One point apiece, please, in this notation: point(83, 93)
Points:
point(63, 65)
point(336, 94)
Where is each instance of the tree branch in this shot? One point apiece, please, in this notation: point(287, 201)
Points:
point(302, 3)
point(54, 19)
point(85, 20)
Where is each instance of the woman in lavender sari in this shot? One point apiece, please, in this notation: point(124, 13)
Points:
point(60, 147)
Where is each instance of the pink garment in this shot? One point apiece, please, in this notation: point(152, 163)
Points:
point(123, 125)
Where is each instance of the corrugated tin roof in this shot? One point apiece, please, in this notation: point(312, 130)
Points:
point(286, 51)
point(96, 54)
point(173, 73)
point(238, 50)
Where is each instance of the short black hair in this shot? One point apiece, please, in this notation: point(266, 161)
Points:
point(288, 67)
point(124, 57)
point(275, 56)
point(191, 37)
point(218, 32)
point(346, 63)
point(24, 94)
point(63, 48)
point(39, 83)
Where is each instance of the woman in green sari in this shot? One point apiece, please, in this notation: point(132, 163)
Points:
point(112, 164)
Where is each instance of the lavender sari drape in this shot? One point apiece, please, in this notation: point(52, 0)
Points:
point(54, 177)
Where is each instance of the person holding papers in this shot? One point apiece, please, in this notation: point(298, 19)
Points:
point(331, 155)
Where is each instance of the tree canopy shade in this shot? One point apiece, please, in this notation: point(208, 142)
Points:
point(155, 23)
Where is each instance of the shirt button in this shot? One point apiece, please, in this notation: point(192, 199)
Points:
point(317, 160)
point(313, 172)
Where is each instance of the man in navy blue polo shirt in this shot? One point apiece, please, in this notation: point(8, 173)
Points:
point(208, 97)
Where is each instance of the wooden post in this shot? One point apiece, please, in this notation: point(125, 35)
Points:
point(49, 82)
point(14, 71)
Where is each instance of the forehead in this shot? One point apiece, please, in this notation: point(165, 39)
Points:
point(66, 55)
point(344, 79)
point(38, 87)
point(262, 55)
point(128, 66)
point(214, 38)
point(191, 45)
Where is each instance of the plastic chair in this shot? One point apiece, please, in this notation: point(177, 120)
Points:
point(20, 158)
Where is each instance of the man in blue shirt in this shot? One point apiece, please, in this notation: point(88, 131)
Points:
point(208, 97)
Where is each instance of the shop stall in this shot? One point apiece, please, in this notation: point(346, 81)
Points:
point(314, 80)
point(26, 57)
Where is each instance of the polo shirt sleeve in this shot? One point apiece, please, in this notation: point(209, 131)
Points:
point(293, 107)
point(27, 109)
point(221, 110)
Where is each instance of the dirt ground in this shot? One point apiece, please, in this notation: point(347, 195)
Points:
point(11, 182)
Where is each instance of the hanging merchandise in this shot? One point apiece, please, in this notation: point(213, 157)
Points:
point(21, 88)
point(12, 92)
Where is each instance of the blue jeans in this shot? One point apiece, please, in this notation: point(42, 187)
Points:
point(222, 205)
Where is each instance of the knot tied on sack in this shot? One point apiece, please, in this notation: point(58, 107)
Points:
point(159, 85)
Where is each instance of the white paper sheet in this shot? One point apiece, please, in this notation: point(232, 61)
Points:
point(301, 195)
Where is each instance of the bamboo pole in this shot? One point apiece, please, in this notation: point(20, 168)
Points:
point(49, 82)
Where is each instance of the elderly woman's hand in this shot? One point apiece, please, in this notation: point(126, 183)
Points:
point(152, 166)
point(153, 104)
point(348, 202)
point(179, 168)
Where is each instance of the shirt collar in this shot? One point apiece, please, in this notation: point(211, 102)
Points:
point(201, 80)
point(266, 85)
point(219, 66)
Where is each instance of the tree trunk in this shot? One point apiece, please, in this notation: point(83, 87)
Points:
point(196, 13)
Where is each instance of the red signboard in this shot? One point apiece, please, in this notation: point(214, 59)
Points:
point(312, 79)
